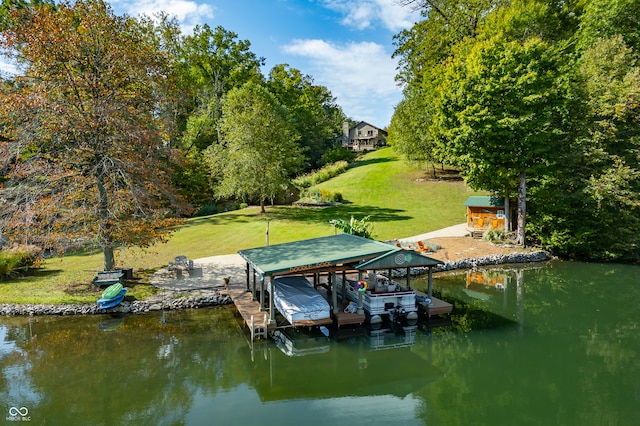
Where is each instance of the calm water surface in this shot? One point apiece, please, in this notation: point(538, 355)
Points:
point(553, 345)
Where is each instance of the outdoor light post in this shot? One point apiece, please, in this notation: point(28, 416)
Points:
point(267, 233)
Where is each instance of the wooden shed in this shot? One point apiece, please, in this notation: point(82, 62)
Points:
point(484, 213)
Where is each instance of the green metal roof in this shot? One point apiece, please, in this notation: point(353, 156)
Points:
point(316, 253)
point(399, 258)
point(484, 201)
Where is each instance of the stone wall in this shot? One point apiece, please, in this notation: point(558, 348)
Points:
point(155, 303)
point(470, 263)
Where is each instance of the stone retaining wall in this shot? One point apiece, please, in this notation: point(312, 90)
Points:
point(134, 307)
point(470, 263)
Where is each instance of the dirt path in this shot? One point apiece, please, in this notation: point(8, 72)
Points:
point(455, 248)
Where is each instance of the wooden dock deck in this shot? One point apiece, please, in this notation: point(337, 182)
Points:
point(436, 307)
point(256, 320)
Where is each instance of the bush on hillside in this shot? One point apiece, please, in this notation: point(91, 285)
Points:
point(324, 174)
point(323, 197)
point(18, 260)
point(339, 153)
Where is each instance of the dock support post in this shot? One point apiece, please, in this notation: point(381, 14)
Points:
point(248, 274)
point(334, 293)
point(272, 311)
point(262, 294)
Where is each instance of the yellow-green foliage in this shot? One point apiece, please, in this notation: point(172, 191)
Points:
point(17, 260)
point(324, 174)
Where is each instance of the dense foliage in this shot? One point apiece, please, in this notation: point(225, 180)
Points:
point(120, 123)
point(535, 98)
point(83, 126)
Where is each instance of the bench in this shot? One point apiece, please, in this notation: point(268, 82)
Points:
point(107, 278)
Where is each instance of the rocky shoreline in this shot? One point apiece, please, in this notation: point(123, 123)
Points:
point(167, 300)
point(156, 303)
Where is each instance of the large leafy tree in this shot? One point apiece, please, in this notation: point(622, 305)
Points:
point(315, 115)
point(214, 62)
point(211, 62)
point(546, 90)
point(498, 112)
point(259, 151)
point(83, 129)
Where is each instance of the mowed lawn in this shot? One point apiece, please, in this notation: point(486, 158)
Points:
point(393, 192)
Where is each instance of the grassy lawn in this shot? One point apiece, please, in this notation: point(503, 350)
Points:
point(390, 190)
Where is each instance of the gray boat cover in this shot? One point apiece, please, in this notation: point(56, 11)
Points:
point(296, 299)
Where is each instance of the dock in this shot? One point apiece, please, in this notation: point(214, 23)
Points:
point(256, 320)
point(437, 306)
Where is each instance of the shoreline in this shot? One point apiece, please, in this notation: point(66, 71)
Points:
point(215, 295)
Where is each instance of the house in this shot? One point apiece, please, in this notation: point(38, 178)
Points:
point(363, 137)
point(484, 213)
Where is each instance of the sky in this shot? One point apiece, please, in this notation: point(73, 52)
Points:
point(344, 45)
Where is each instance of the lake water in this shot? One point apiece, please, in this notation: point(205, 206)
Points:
point(557, 344)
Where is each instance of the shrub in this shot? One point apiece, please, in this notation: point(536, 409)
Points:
point(208, 210)
point(339, 153)
point(321, 198)
point(495, 235)
point(19, 259)
point(324, 174)
point(361, 228)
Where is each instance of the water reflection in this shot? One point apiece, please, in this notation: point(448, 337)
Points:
point(572, 361)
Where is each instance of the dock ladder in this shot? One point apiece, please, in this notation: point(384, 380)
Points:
point(258, 331)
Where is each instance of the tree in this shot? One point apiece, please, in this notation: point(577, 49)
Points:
point(407, 132)
point(86, 157)
point(258, 153)
point(210, 63)
point(215, 62)
point(498, 112)
point(316, 116)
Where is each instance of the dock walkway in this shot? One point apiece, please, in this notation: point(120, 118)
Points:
point(256, 320)
point(437, 306)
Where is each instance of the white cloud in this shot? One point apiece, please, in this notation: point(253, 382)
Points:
point(362, 14)
point(189, 13)
point(360, 75)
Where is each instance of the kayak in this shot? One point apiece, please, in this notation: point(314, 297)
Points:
point(113, 302)
point(112, 291)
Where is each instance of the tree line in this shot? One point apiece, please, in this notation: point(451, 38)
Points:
point(115, 127)
point(536, 101)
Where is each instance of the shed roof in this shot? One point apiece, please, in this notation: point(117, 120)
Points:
point(484, 201)
point(399, 258)
point(315, 253)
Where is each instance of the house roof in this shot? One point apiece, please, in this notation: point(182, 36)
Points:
point(484, 201)
point(316, 253)
point(361, 123)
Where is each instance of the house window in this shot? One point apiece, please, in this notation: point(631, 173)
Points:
point(500, 214)
point(359, 132)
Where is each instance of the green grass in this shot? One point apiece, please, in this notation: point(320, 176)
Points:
point(380, 185)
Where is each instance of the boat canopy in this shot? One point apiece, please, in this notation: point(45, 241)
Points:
point(313, 254)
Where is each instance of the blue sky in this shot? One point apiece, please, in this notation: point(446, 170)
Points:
point(345, 45)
